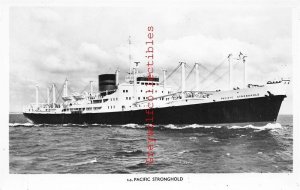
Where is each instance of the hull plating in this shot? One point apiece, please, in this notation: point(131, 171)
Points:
point(262, 109)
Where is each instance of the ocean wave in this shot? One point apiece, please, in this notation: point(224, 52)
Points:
point(21, 124)
point(82, 163)
point(31, 125)
point(155, 166)
point(137, 166)
point(126, 139)
point(128, 153)
point(269, 126)
point(133, 126)
point(193, 126)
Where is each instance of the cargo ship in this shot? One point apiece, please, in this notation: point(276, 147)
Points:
point(126, 102)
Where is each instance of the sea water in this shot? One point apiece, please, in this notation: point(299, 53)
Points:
point(103, 149)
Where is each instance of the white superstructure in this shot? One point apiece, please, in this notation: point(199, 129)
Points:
point(132, 94)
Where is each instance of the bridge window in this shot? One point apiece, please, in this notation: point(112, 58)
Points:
point(147, 79)
point(96, 101)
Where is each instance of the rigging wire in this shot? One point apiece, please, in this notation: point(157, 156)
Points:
point(190, 72)
point(172, 73)
point(85, 88)
point(219, 77)
point(212, 72)
point(188, 75)
point(44, 97)
point(70, 89)
point(50, 97)
point(41, 95)
point(205, 68)
point(59, 93)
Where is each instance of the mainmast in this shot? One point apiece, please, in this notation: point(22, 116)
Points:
point(134, 84)
point(182, 79)
point(91, 87)
point(53, 95)
point(230, 72)
point(245, 71)
point(66, 88)
point(165, 78)
point(117, 76)
point(129, 55)
point(197, 75)
point(48, 95)
point(135, 71)
point(37, 95)
point(242, 58)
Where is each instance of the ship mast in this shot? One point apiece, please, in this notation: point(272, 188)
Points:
point(134, 84)
point(129, 56)
point(134, 80)
point(48, 95)
point(37, 95)
point(245, 72)
point(165, 78)
point(117, 76)
point(197, 75)
point(91, 87)
point(230, 72)
point(53, 95)
point(182, 79)
point(66, 88)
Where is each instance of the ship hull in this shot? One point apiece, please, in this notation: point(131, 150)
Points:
point(252, 110)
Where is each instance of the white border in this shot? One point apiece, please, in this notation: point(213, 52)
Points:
point(110, 181)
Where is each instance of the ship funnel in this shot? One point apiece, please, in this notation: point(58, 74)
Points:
point(107, 82)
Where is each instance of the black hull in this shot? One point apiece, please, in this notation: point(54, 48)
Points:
point(254, 110)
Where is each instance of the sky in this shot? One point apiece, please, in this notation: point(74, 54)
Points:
point(49, 44)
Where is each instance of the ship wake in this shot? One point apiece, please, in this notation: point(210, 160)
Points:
point(193, 127)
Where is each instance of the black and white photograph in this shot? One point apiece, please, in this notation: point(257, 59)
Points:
point(141, 89)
